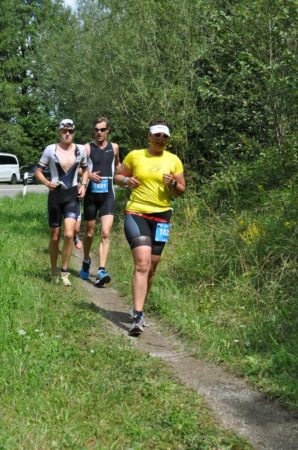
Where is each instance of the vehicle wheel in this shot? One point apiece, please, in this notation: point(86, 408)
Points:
point(13, 179)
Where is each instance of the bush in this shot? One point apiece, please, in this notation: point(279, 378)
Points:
point(243, 184)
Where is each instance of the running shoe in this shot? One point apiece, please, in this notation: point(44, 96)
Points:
point(84, 272)
point(102, 278)
point(64, 278)
point(77, 242)
point(55, 279)
point(131, 313)
point(137, 326)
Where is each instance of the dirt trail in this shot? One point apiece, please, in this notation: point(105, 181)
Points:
point(238, 407)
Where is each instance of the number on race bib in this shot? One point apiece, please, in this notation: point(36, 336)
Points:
point(162, 232)
point(100, 188)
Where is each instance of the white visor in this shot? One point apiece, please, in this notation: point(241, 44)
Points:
point(160, 129)
point(66, 123)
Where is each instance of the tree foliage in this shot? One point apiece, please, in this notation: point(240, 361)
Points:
point(26, 121)
point(221, 72)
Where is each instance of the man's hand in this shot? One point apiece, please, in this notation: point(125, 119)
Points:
point(82, 191)
point(95, 176)
point(51, 185)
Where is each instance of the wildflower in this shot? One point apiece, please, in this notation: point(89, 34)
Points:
point(290, 223)
point(251, 234)
point(21, 332)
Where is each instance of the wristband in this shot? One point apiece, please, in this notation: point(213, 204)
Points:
point(84, 184)
point(125, 181)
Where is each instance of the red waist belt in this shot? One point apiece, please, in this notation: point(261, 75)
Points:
point(146, 216)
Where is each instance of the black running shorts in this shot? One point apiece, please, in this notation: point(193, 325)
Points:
point(99, 204)
point(136, 225)
point(63, 203)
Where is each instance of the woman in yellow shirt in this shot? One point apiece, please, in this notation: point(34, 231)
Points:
point(154, 176)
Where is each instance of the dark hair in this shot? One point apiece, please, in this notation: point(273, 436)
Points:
point(158, 122)
point(101, 119)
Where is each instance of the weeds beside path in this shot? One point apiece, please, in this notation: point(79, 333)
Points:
point(238, 407)
point(65, 380)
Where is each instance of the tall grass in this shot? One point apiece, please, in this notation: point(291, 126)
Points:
point(65, 382)
point(228, 280)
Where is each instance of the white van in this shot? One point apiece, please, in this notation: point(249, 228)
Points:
point(9, 168)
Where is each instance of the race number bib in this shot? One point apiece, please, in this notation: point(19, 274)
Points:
point(162, 232)
point(100, 188)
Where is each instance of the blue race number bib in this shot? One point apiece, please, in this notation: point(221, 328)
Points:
point(100, 188)
point(162, 232)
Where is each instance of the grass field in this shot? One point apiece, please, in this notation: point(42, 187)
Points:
point(65, 382)
point(228, 286)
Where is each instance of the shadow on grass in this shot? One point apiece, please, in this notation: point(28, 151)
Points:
point(41, 274)
point(118, 318)
point(45, 274)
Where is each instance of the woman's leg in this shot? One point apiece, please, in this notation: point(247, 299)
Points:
point(142, 264)
point(155, 260)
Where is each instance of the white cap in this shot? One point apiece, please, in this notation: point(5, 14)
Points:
point(66, 123)
point(159, 129)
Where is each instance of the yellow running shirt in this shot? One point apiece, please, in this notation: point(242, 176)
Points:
point(152, 195)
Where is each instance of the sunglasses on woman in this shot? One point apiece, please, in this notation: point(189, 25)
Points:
point(161, 135)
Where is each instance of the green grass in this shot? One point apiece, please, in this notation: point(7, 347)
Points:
point(65, 382)
point(227, 285)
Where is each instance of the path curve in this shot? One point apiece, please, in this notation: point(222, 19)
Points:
point(237, 406)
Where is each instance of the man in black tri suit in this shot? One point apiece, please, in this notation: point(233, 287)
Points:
point(100, 197)
point(64, 161)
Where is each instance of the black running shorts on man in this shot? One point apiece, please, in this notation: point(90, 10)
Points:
point(100, 197)
point(63, 201)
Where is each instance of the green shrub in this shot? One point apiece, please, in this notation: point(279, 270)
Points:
point(243, 184)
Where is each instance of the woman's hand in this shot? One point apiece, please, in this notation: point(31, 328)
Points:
point(133, 182)
point(168, 179)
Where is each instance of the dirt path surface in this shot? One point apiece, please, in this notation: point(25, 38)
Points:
point(238, 407)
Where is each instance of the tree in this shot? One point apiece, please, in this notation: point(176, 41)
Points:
point(25, 122)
